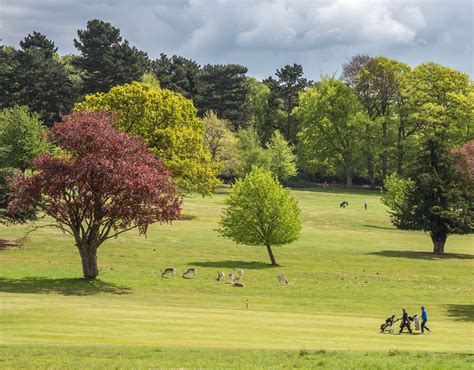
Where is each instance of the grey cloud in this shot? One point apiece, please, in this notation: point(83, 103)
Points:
point(262, 34)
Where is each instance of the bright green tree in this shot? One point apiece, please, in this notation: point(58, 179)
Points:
point(169, 124)
point(282, 159)
point(251, 152)
point(23, 136)
point(331, 124)
point(261, 212)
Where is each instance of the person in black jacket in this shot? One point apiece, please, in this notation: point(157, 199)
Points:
point(405, 321)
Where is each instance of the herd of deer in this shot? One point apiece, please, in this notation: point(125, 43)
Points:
point(235, 281)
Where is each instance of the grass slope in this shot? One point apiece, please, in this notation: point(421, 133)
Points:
point(349, 271)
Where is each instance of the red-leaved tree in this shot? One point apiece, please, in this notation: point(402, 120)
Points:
point(108, 183)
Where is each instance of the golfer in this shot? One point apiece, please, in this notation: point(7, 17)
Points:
point(424, 319)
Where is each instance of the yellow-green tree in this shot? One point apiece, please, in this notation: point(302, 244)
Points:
point(168, 122)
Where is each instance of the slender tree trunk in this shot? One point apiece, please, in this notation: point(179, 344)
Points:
point(270, 253)
point(400, 148)
point(439, 241)
point(89, 261)
point(384, 150)
point(370, 169)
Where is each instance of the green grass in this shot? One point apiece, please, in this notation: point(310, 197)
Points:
point(348, 272)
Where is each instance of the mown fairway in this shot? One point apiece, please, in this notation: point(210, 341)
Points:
point(349, 271)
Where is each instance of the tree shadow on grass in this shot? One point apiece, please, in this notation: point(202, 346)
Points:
point(250, 265)
point(380, 227)
point(68, 287)
point(423, 255)
point(461, 312)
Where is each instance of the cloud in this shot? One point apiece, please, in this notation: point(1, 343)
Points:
point(262, 34)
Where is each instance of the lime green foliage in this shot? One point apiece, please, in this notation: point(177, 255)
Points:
point(251, 152)
point(261, 212)
point(331, 123)
point(150, 79)
point(441, 99)
point(133, 318)
point(169, 124)
point(395, 192)
point(23, 135)
point(282, 159)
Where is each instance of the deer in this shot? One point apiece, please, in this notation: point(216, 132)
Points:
point(190, 273)
point(168, 272)
point(220, 275)
point(283, 280)
point(238, 285)
point(231, 278)
point(240, 272)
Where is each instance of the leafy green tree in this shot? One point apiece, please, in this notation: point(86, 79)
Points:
point(440, 200)
point(441, 100)
point(252, 153)
point(33, 76)
point(23, 136)
point(377, 83)
point(260, 112)
point(261, 212)
point(106, 60)
point(8, 76)
point(168, 123)
point(282, 159)
point(215, 132)
point(286, 88)
point(224, 89)
point(39, 42)
point(178, 74)
point(331, 122)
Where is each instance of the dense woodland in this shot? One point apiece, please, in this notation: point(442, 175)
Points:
point(359, 127)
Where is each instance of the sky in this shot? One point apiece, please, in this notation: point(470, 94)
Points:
point(262, 35)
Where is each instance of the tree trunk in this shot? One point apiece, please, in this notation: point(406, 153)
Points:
point(439, 240)
point(384, 150)
point(270, 253)
point(370, 170)
point(89, 262)
point(400, 149)
point(348, 178)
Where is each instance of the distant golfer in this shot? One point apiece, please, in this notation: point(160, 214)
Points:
point(405, 321)
point(424, 319)
point(366, 204)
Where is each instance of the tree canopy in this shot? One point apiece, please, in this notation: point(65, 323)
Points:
point(440, 198)
point(108, 183)
point(106, 60)
point(168, 123)
point(260, 212)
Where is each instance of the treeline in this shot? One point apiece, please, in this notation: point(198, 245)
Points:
point(361, 127)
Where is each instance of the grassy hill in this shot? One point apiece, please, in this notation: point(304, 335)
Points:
point(349, 271)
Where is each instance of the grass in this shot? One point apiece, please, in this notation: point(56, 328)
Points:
point(349, 271)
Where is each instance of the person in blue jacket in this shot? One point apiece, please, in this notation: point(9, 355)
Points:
point(424, 319)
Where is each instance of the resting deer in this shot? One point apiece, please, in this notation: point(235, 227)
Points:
point(283, 280)
point(220, 275)
point(168, 272)
point(190, 273)
point(238, 285)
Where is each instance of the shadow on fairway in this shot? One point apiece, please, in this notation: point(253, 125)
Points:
point(423, 255)
point(42, 285)
point(253, 265)
point(461, 312)
point(380, 227)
